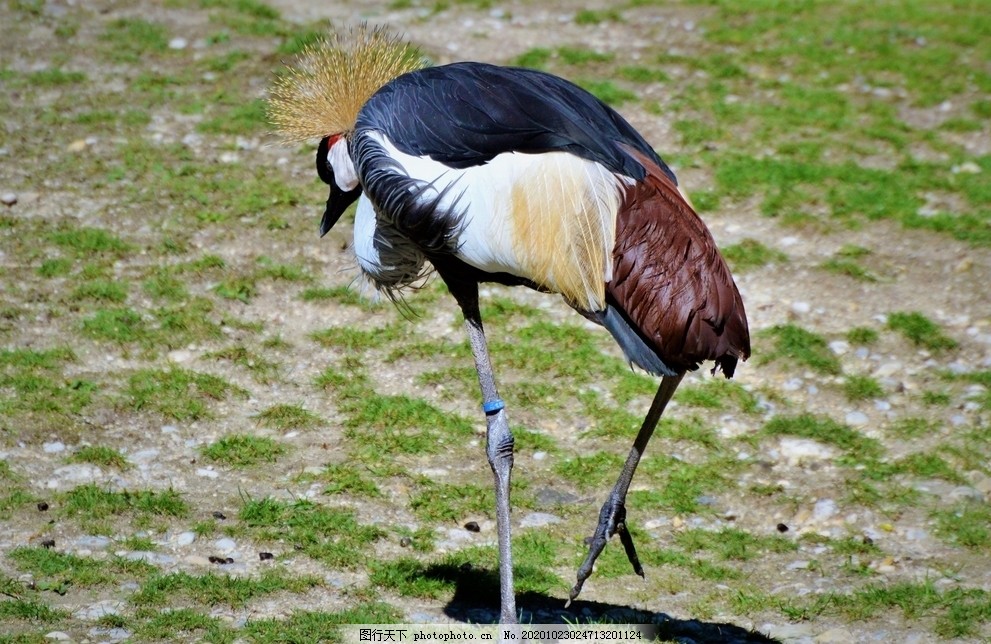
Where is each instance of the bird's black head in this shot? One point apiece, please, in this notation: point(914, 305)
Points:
point(339, 198)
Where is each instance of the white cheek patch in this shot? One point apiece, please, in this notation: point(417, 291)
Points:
point(345, 176)
point(364, 237)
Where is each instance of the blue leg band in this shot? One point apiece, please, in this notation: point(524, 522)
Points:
point(493, 406)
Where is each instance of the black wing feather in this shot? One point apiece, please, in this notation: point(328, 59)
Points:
point(464, 114)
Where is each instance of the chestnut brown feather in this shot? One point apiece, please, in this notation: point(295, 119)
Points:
point(670, 281)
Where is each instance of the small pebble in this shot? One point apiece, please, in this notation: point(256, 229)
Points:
point(799, 450)
point(839, 347)
point(967, 167)
point(185, 538)
point(99, 609)
point(539, 519)
point(225, 545)
point(405, 542)
point(53, 448)
point(92, 542)
point(178, 43)
point(856, 418)
point(824, 510)
point(8, 198)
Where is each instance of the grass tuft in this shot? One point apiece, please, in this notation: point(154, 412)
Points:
point(241, 450)
point(920, 330)
point(802, 347)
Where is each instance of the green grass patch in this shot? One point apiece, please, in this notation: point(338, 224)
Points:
point(594, 17)
point(237, 287)
point(32, 382)
point(607, 91)
point(827, 431)
point(263, 370)
point(91, 501)
point(717, 393)
point(130, 40)
point(929, 465)
point(749, 254)
point(730, 543)
point(31, 610)
point(582, 56)
point(354, 340)
point(182, 624)
point(246, 119)
point(590, 471)
point(184, 323)
point(340, 295)
point(800, 346)
point(100, 455)
point(57, 571)
point(536, 58)
point(344, 478)
point(214, 589)
point(330, 535)
point(446, 502)
point(163, 285)
point(912, 427)
point(55, 267)
point(847, 262)
point(55, 76)
point(379, 424)
point(679, 486)
point(284, 417)
point(241, 450)
point(639, 74)
point(86, 242)
point(920, 330)
point(858, 387)
point(966, 524)
point(861, 335)
point(102, 291)
point(120, 325)
point(176, 393)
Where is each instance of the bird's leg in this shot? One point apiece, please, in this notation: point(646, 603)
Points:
point(499, 446)
point(612, 517)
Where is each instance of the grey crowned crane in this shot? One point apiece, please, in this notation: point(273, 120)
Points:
point(514, 176)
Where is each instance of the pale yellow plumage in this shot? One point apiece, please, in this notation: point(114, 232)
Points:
point(321, 93)
point(563, 216)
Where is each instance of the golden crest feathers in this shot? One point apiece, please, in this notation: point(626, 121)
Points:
point(320, 95)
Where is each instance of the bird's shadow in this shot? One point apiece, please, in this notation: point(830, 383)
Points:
point(476, 601)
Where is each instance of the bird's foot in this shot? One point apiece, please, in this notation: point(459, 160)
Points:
point(612, 520)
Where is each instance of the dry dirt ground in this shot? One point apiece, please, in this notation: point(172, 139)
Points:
point(892, 529)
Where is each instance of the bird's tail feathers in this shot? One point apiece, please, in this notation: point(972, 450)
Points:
point(634, 347)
